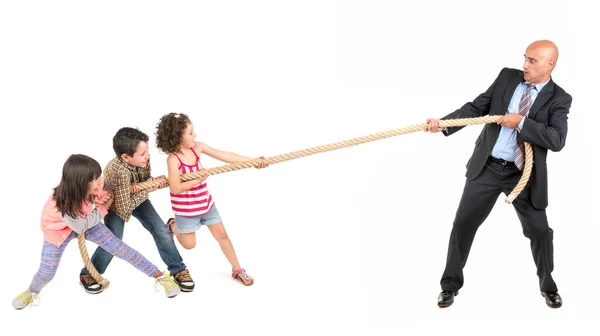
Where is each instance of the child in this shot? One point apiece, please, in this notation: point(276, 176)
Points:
point(191, 201)
point(74, 208)
point(130, 166)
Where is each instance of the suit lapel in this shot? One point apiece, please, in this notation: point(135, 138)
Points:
point(542, 98)
point(510, 90)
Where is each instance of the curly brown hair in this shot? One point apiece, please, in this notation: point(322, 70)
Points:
point(169, 132)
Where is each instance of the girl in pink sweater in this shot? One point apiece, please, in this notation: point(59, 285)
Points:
point(75, 207)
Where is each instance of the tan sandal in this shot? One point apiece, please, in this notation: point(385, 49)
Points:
point(243, 277)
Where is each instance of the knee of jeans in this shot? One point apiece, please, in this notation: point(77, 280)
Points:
point(119, 234)
point(163, 237)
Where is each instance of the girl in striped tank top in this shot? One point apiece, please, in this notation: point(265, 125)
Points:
point(191, 201)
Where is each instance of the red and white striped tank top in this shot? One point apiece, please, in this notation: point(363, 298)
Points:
point(195, 202)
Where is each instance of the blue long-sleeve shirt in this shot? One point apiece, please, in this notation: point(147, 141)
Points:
point(506, 145)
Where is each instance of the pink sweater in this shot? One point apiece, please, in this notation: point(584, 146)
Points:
point(55, 229)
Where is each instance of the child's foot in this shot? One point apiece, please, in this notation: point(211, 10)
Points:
point(184, 280)
point(243, 277)
point(169, 285)
point(89, 284)
point(25, 299)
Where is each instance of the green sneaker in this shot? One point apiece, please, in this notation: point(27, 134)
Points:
point(169, 285)
point(25, 299)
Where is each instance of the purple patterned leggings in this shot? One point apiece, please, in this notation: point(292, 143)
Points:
point(99, 235)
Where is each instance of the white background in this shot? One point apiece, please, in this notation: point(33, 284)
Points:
point(347, 241)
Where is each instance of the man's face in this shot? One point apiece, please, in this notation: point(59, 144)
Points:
point(537, 65)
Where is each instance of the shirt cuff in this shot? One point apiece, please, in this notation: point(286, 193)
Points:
point(522, 123)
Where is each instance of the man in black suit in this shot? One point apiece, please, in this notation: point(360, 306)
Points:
point(530, 101)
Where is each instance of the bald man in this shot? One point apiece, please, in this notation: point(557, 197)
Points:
point(530, 101)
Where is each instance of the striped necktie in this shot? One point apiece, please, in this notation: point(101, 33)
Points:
point(524, 107)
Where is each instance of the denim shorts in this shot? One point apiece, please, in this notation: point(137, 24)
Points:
point(192, 224)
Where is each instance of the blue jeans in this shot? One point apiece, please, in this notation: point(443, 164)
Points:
point(152, 222)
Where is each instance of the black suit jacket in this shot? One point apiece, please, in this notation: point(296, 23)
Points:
point(545, 127)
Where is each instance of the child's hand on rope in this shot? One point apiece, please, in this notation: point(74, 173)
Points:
point(200, 179)
point(105, 199)
point(152, 179)
point(109, 200)
point(262, 163)
point(134, 188)
point(163, 181)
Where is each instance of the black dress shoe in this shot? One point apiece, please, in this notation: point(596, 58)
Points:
point(446, 299)
point(553, 299)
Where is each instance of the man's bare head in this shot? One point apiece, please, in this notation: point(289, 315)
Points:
point(540, 60)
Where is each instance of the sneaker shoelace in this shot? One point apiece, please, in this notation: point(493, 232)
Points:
point(35, 299)
point(89, 280)
point(166, 282)
point(183, 276)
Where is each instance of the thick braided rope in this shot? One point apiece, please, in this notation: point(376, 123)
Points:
point(326, 148)
point(104, 283)
point(353, 142)
point(526, 173)
point(88, 263)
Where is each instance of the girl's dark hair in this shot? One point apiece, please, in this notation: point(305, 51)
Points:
point(78, 171)
point(169, 132)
